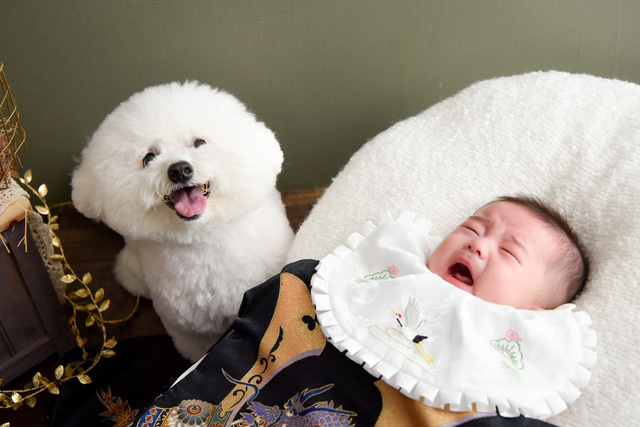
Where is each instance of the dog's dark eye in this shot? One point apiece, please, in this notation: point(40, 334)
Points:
point(199, 143)
point(147, 159)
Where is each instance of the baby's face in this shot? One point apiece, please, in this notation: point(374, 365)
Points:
point(501, 254)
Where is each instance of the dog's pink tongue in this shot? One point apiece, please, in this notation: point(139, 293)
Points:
point(189, 202)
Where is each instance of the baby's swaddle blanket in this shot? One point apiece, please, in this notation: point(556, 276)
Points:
point(376, 299)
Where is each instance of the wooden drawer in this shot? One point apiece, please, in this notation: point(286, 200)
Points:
point(32, 323)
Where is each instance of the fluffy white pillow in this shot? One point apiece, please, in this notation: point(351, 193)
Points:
point(574, 141)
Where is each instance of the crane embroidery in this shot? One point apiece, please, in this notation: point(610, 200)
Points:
point(415, 326)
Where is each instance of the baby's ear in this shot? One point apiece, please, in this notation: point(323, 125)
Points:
point(86, 192)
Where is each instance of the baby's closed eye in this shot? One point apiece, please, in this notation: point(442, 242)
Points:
point(471, 228)
point(510, 253)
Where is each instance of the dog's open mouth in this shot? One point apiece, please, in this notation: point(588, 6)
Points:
point(461, 273)
point(189, 202)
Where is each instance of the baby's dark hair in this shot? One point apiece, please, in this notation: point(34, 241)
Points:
point(572, 258)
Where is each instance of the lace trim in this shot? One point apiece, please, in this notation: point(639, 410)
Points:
point(40, 232)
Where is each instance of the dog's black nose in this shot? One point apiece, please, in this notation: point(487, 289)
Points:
point(180, 172)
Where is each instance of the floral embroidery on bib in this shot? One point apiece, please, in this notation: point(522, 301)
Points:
point(510, 347)
point(390, 273)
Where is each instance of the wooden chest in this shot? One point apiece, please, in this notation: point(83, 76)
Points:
point(32, 323)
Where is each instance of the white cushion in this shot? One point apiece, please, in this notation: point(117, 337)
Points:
point(574, 141)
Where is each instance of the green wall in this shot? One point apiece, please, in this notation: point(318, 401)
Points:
point(326, 76)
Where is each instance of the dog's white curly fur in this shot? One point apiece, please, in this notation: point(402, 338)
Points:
point(194, 268)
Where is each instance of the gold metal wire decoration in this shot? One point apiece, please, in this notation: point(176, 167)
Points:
point(12, 136)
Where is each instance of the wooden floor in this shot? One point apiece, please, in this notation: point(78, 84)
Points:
point(92, 247)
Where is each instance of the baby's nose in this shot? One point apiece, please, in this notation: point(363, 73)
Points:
point(478, 246)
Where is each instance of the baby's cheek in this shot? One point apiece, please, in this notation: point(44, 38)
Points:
point(434, 265)
point(435, 259)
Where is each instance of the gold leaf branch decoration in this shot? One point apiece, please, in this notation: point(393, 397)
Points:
point(85, 302)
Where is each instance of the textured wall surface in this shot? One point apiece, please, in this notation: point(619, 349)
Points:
point(326, 76)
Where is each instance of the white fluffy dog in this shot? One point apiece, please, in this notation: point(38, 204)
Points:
point(187, 176)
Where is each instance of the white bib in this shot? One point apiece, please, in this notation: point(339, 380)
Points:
point(376, 299)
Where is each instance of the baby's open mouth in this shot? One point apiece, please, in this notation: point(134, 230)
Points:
point(189, 202)
point(461, 273)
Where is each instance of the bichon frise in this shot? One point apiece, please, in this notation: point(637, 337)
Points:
point(187, 176)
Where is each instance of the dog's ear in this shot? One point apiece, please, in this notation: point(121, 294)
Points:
point(85, 192)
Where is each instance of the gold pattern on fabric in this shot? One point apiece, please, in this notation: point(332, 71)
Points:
point(291, 335)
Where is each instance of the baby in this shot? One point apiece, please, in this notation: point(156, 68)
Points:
point(514, 251)
point(451, 351)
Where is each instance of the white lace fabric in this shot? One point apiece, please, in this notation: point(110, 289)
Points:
point(41, 234)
